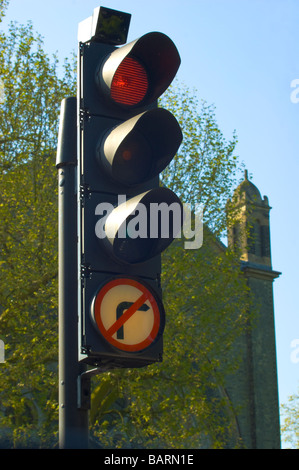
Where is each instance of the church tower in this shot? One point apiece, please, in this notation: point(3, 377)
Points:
point(255, 387)
point(251, 230)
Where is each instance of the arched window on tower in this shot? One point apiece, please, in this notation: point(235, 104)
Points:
point(265, 240)
point(258, 241)
point(251, 239)
point(235, 237)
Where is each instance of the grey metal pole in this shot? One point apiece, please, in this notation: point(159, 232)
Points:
point(73, 421)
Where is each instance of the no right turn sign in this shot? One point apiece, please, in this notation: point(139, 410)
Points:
point(128, 314)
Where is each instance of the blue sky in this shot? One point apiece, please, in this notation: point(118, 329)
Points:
point(242, 56)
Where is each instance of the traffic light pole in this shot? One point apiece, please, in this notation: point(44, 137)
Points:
point(73, 421)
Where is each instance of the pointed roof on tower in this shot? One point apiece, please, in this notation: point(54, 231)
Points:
point(247, 192)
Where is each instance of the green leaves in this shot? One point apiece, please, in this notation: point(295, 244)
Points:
point(290, 422)
point(32, 92)
point(205, 170)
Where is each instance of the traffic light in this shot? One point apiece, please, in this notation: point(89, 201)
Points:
point(125, 219)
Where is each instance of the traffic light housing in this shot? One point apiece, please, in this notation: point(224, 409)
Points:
point(125, 219)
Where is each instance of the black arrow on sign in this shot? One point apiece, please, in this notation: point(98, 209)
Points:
point(120, 310)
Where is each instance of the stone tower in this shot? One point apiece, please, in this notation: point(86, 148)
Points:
point(255, 387)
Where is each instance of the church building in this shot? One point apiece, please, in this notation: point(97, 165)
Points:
point(255, 384)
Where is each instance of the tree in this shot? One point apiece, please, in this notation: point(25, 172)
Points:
point(290, 425)
point(32, 92)
point(3, 6)
point(205, 170)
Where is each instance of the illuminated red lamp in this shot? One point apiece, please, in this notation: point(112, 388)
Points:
point(135, 75)
point(129, 84)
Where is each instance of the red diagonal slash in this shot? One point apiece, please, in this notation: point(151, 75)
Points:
point(127, 314)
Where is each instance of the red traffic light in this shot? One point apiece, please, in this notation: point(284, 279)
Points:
point(139, 72)
point(130, 83)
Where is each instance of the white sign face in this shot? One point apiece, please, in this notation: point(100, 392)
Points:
point(127, 314)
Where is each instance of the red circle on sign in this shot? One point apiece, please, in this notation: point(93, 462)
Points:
point(145, 295)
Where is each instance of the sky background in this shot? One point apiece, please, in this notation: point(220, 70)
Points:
point(242, 56)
